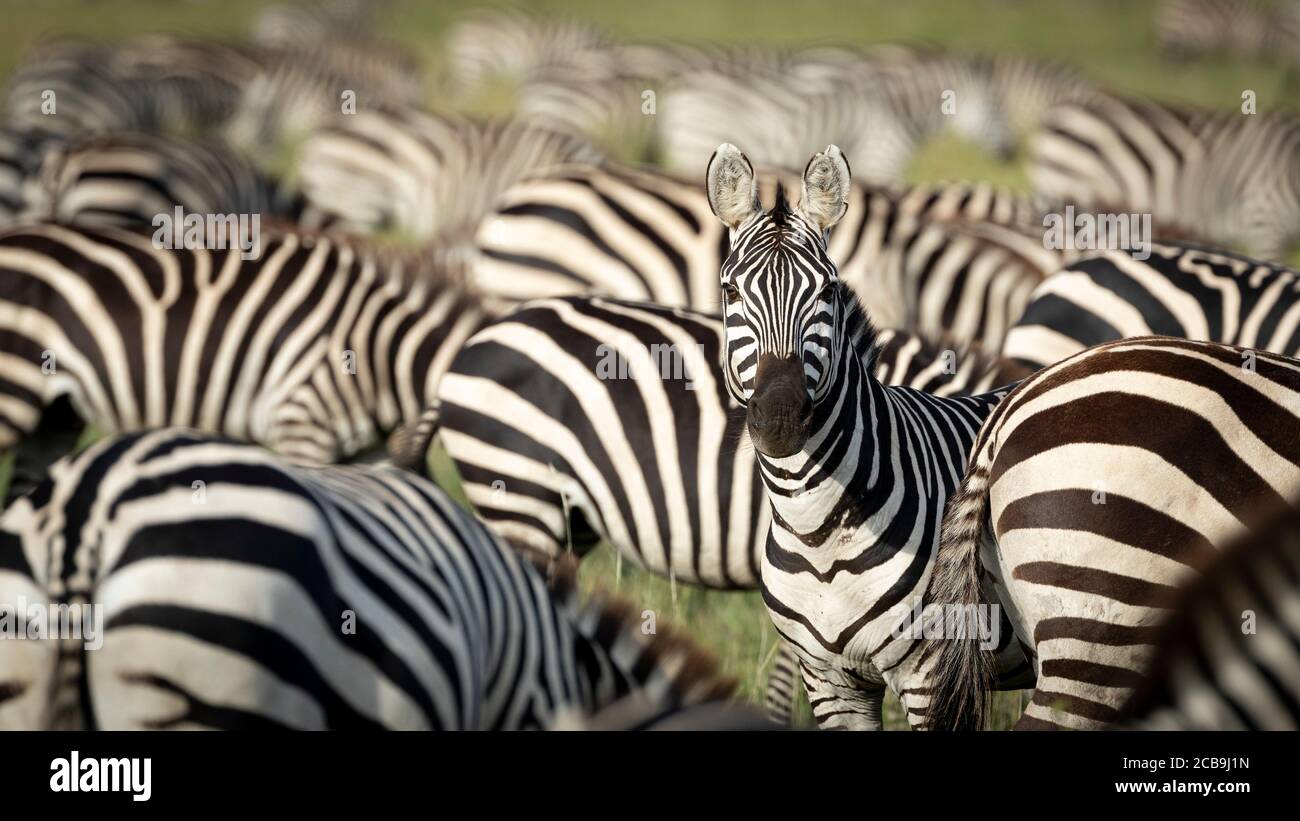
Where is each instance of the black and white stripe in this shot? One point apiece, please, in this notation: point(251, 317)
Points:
point(130, 179)
point(509, 47)
point(1181, 290)
point(572, 421)
point(424, 175)
point(243, 591)
point(1097, 487)
point(1229, 657)
point(1229, 178)
point(576, 420)
point(913, 254)
point(314, 347)
point(857, 474)
point(885, 104)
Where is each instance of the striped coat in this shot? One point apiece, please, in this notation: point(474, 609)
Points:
point(240, 591)
point(1096, 488)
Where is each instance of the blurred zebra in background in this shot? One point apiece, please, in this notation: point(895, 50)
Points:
point(1227, 177)
point(131, 179)
point(1181, 290)
point(510, 46)
point(1243, 28)
point(423, 175)
point(884, 105)
point(1143, 458)
point(357, 598)
point(312, 346)
point(21, 152)
point(1227, 658)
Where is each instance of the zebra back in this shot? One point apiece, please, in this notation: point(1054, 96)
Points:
point(1182, 290)
point(335, 597)
point(421, 174)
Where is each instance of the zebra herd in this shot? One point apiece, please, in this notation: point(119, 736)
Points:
point(951, 456)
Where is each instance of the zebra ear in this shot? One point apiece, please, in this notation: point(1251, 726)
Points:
point(826, 182)
point(733, 191)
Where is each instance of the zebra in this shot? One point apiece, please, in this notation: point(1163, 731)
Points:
point(1226, 659)
point(21, 154)
point(311, 345)
point(129, 179)
point(635, 234)
point(1181, 290)
point(70, 88)
point(1244, 28)
point(1096, 488)
point(510, 46)
point(579, 419)
point(243, 591)
point(424, 175)
point(856, 473)
point(1224, 177)
point(281, 25)
point(301, 88)
point(884, 105)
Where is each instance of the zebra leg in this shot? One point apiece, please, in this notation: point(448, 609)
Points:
point(779, 701)
point(842, 701)
point(55, 436)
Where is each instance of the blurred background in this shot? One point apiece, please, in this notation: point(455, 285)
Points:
point(1119, 45)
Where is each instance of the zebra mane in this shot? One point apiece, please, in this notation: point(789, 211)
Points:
point(862, 334)
point(615, 624)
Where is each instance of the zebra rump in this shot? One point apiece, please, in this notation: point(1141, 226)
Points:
point(1228, 658)
point(236, 590)
point(1096, 488)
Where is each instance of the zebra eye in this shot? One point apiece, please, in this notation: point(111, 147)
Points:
point(730, 292)
point(828, 293)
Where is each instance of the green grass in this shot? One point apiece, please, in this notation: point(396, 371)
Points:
point(1110, 40)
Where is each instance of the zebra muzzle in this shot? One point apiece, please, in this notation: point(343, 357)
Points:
point(780, 410)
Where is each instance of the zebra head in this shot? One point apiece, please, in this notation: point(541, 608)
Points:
point(781, 294)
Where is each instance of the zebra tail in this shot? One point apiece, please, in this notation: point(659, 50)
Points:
point(963, 673)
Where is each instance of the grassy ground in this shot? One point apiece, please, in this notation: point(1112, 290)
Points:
point(1110, 40)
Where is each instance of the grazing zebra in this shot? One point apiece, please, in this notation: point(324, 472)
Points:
point(856, 473)
point(634, 234)
point(509, 46)
point(1225, 177)
point(886, 104)
point(1095, 489)
point(1181, 290)
point(312, 346)
point(1227, 659)
point(424, 175)
point(129, 179)
point(241, 591)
